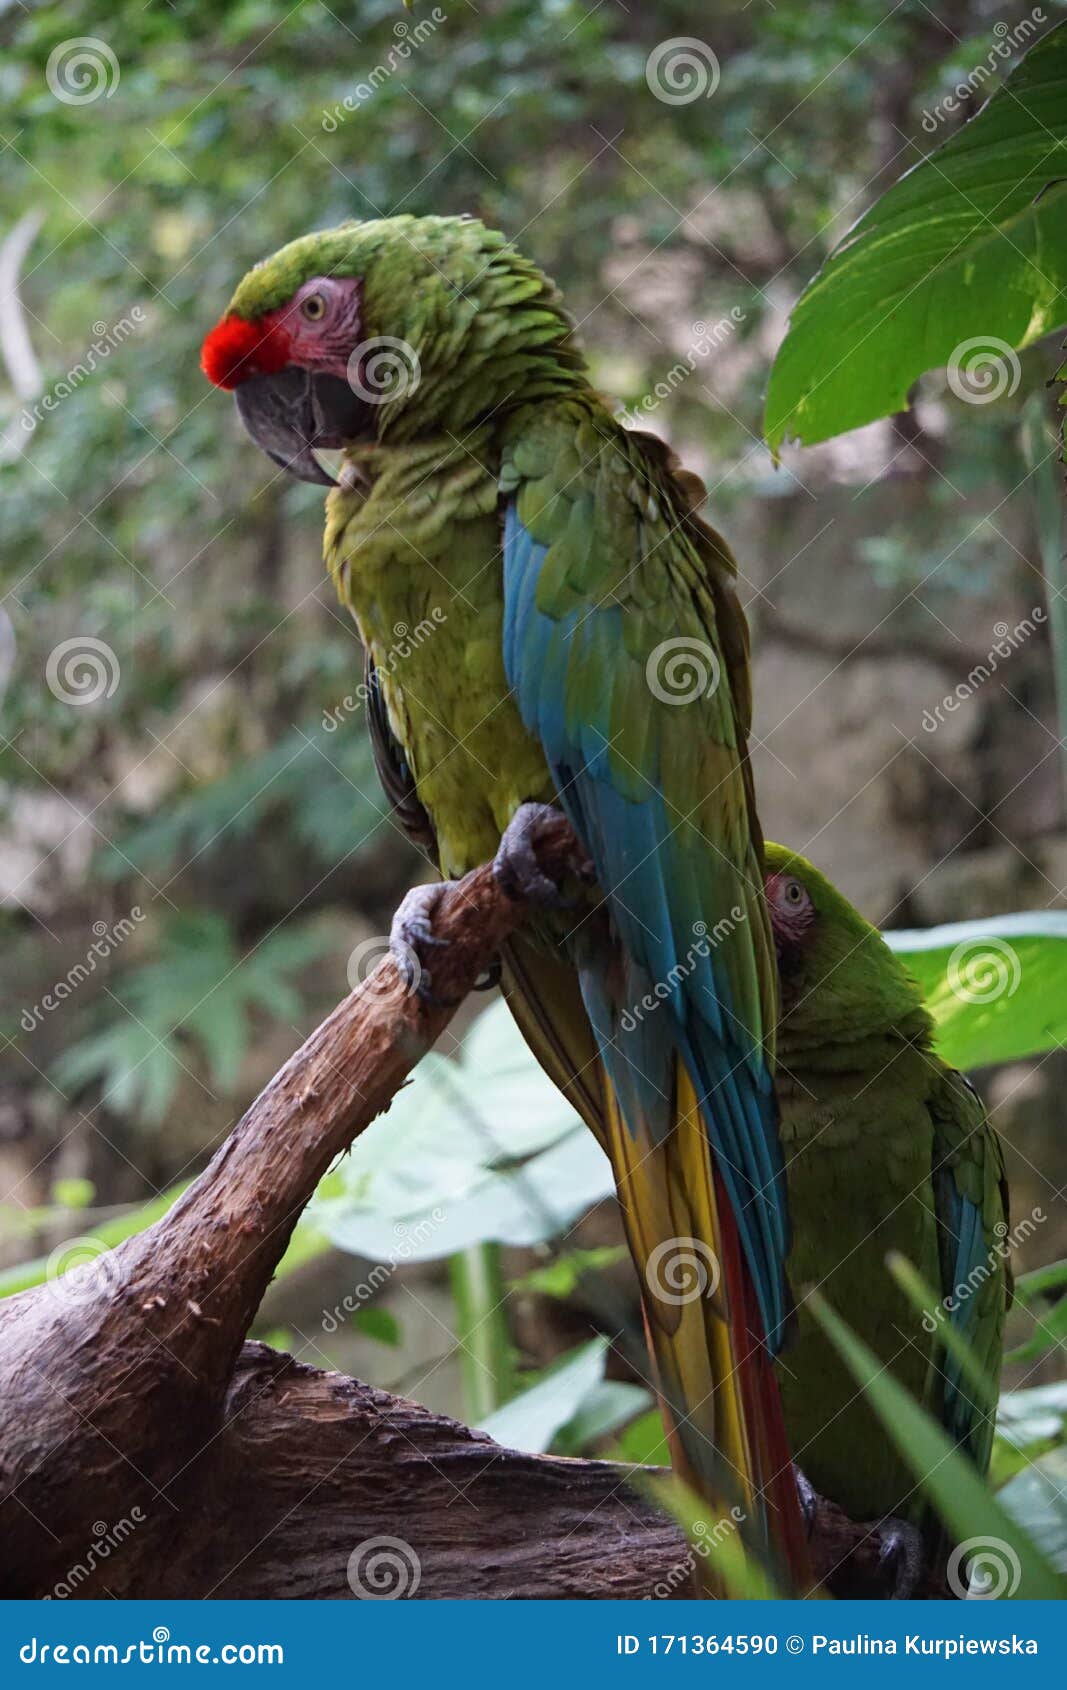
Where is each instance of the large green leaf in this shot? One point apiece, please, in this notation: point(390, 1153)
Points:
point(530, 1421)
point(952, 1484)
point(1037, 1499)
point(483, 1148)
point(965, 257)
point(996, 988)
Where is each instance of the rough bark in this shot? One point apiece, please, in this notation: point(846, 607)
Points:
point(147, 1450)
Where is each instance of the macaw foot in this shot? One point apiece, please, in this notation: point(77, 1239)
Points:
point(808, 1497)
point(901, 1556)
point(516, 865)
point(411, 936)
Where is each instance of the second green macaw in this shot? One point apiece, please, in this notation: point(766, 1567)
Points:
point(887, 1150)
point(584, 647)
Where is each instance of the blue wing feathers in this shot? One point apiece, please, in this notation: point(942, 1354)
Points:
point(654, 901)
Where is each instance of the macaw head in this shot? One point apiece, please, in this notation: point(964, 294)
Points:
point(838, 977)
point(383, 329)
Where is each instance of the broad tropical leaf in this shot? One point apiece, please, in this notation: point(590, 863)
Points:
point(961, 262)
point(997, 988)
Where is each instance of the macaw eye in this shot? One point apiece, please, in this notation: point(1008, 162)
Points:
point(313, 307)
point(793, 892)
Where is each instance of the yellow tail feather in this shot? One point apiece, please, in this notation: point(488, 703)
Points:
point(722, 1437)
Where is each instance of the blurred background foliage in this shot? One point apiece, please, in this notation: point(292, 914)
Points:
point(211, 791)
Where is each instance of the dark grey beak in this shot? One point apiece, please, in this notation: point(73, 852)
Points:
point(294, 411)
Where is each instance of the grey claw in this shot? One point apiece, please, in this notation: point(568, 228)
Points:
point(516, 866)
point(411, 934)
point(808, 1497)
point(901, 1555)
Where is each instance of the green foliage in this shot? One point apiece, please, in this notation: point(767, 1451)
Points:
point(571, 1407)
point(378, 1325)
point(1035, 1498)
point(321, 787)
point(197, 998)
point(478, 1149)
point(947, 1478)
point(996, 988)
point(969, 247)
point(562, 1277)
point(643, 1443)
point(107, 1232)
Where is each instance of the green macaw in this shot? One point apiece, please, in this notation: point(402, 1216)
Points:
point(584, 648)
point(887, 1149)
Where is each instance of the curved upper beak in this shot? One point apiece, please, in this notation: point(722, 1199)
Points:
point(290, 413)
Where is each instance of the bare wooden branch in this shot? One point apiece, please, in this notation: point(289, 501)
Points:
point(147, 1450)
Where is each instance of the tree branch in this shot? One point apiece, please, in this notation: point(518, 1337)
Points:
point(147, 1450)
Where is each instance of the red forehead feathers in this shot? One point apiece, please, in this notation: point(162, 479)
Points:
point(237, 348)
